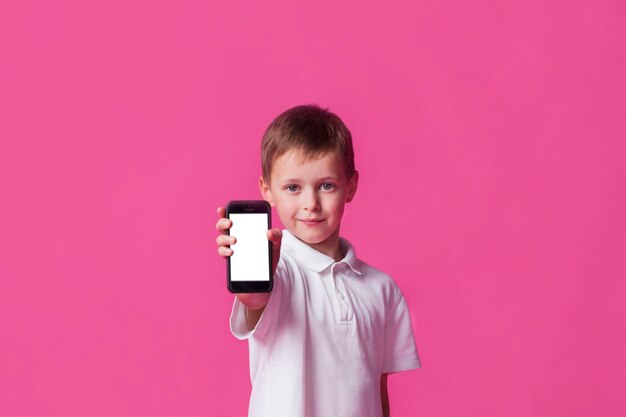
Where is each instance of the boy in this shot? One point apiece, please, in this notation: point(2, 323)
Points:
point(323, 341)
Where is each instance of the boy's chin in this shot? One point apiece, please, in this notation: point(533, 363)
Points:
point(312, 238)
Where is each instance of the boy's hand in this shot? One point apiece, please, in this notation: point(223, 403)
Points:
point(253, 301)
point(224, 241)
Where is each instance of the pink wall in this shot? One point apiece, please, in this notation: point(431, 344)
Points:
point(490, 140)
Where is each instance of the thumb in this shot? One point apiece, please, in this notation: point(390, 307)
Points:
point(275, 236)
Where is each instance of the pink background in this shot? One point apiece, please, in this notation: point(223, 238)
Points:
point(490, 140)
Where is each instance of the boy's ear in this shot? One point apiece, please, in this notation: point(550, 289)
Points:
point(266, 193)
point(353, 184)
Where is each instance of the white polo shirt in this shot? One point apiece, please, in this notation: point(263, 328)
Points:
point(328, 332)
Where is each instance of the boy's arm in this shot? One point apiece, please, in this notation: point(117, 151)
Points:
point(255, 302)
point(384, 395)
point(254, 307)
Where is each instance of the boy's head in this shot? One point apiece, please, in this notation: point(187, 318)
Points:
point(309, 130)
point(308, 172)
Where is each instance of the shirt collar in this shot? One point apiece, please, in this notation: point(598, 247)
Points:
point(314, 259)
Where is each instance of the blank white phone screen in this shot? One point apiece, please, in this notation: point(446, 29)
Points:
point(250, 258)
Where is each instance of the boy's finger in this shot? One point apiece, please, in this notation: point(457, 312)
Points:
point(221, 211)
point(225, 240)
point(224, 251)
point(274, 234)
point(223, 224)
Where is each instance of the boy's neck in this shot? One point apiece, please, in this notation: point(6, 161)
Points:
point(330, 247)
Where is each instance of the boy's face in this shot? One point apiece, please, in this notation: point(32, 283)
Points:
point(310, 195)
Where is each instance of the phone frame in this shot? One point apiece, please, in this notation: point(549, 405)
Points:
point(249, 207)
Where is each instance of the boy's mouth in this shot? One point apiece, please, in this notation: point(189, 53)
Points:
point(312, 222)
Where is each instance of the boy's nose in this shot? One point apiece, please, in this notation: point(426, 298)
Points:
point(311, 202)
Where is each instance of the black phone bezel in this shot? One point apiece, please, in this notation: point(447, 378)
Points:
point(250, 206)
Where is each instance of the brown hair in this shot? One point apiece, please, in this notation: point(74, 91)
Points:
point(310, 129)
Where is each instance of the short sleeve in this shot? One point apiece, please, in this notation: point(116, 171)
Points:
point(400, 351)
point(267, 321)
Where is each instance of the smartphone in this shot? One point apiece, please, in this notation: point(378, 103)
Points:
point(249, 268)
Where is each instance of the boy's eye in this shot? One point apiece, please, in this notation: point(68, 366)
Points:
point(327, 186)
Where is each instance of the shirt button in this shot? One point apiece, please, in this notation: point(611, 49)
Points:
point(341, 296)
